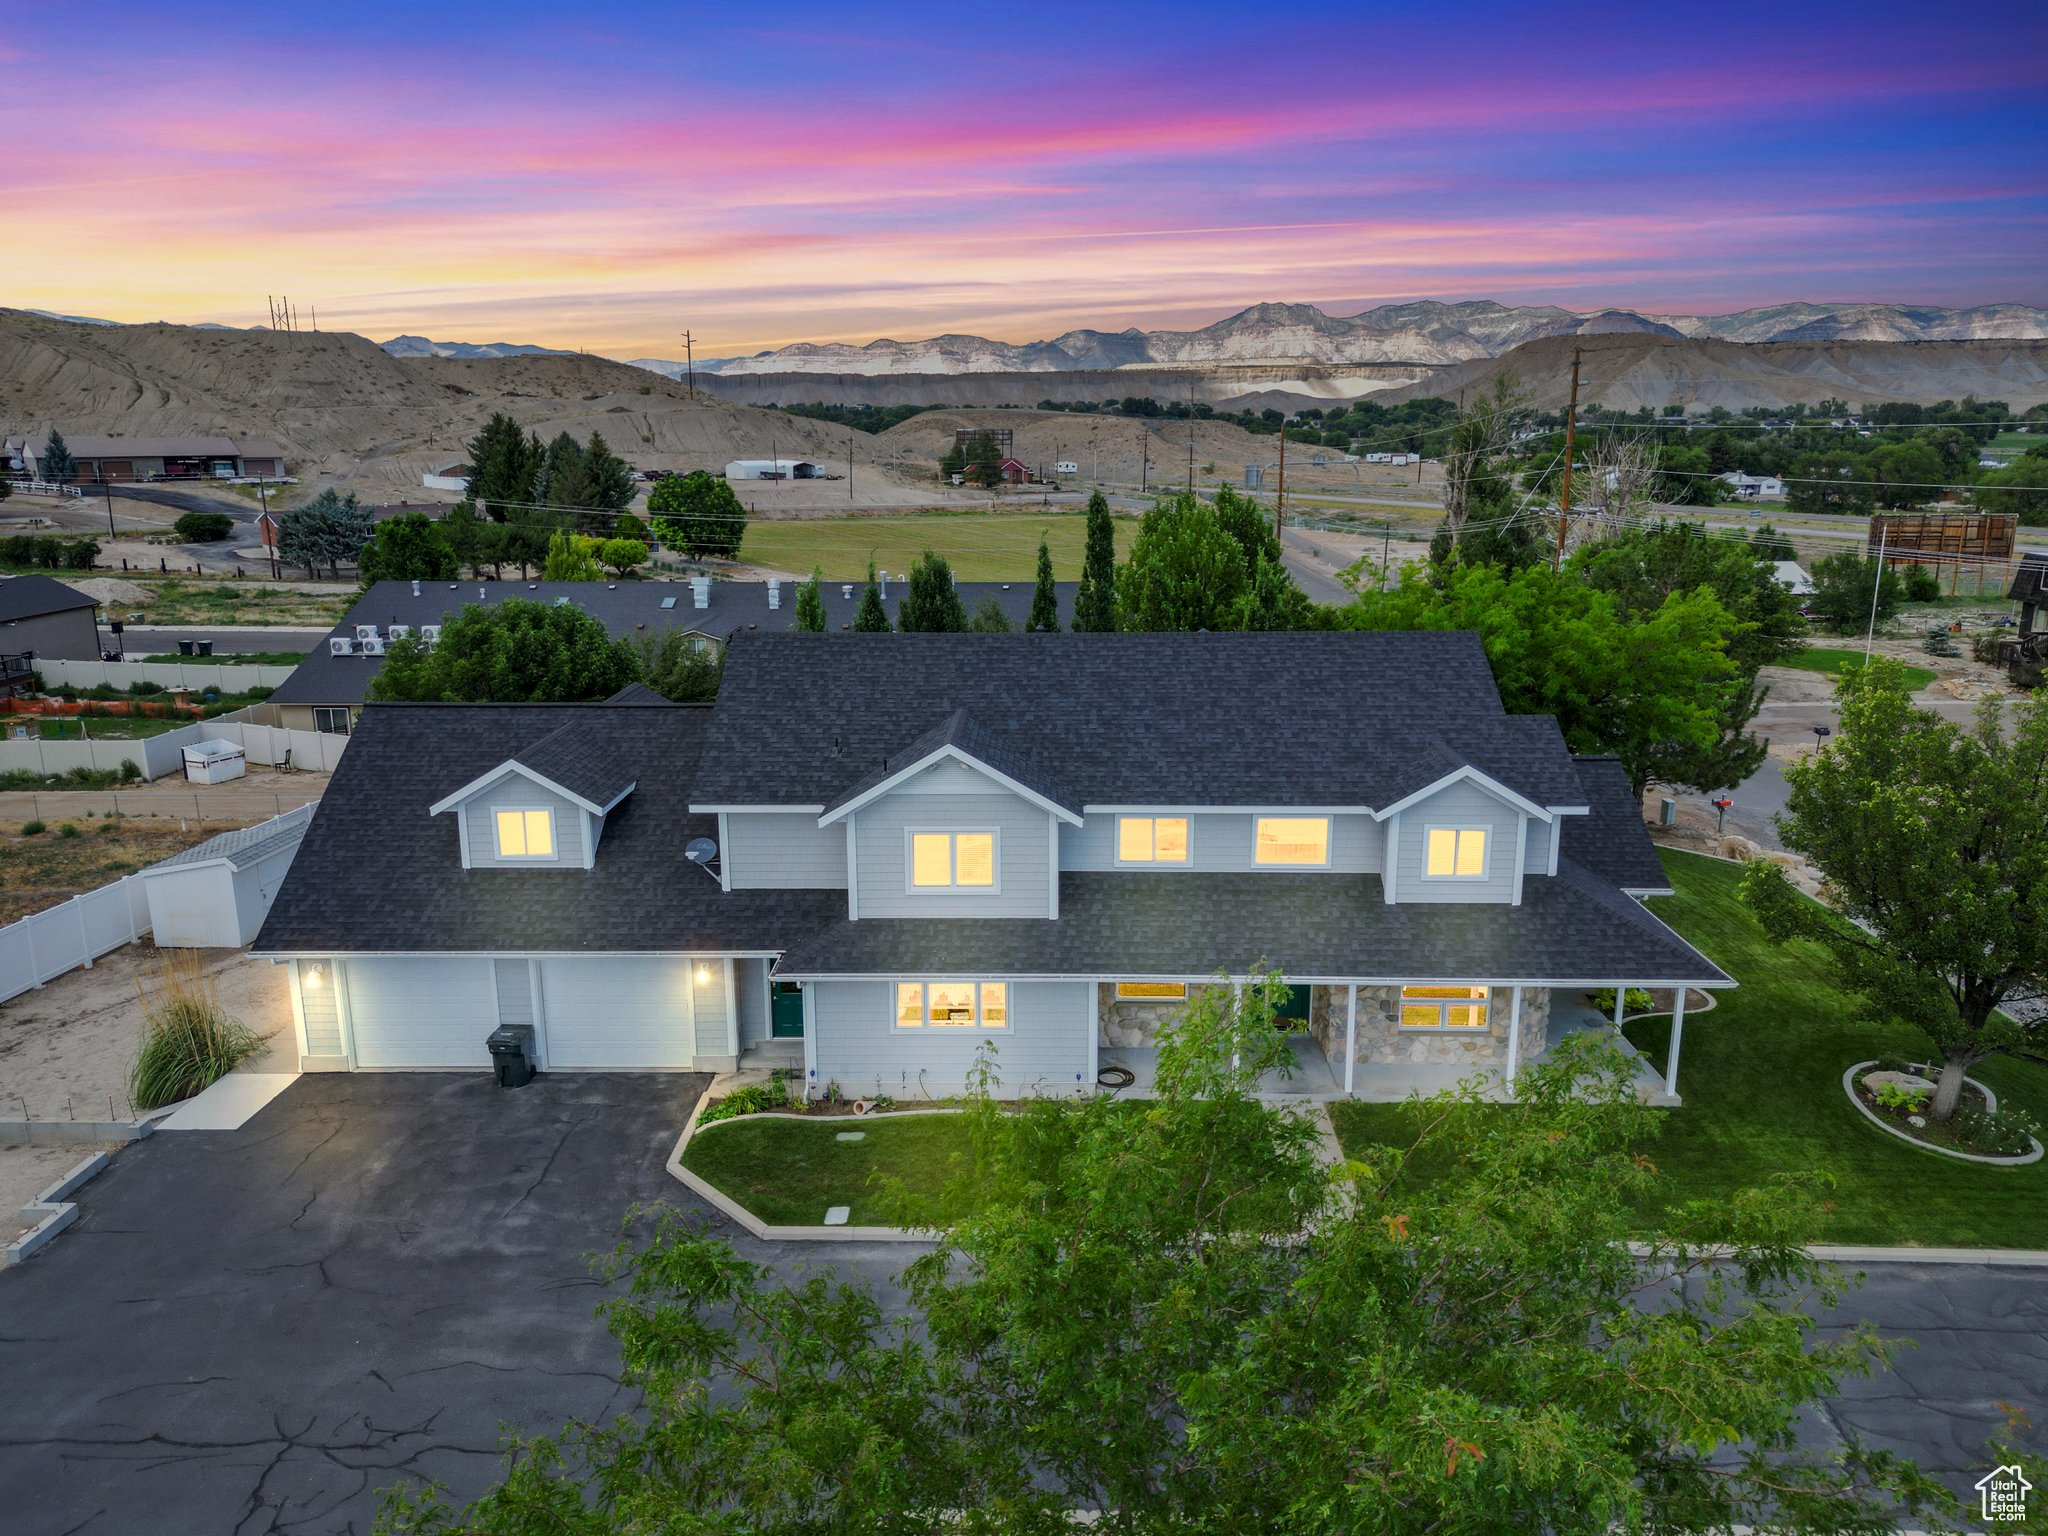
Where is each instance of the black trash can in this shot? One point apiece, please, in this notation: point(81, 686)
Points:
point(184, 647)
point(202, 647)
point(512, 1054)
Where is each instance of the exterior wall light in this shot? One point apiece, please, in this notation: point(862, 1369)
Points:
point(315, 973)
point(703, 974)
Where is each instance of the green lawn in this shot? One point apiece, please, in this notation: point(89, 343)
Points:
point(1761, 1079)
point(980, 546)
point(1833, 660)
point(788, 1172)
point(110, 727)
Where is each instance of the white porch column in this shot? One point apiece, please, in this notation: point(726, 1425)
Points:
point(1237, 1013)
point(1350, 1034)
point(1094, 1038)
point(1514, 1037)
point(1620, 1002)
point(1677, 1032)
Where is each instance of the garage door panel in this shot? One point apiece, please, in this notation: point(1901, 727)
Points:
point(617, 1014)
point(421, 1012)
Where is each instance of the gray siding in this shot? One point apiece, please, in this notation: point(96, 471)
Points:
point(783, 852)
point(953, 798)
point(707, 996)
point(1220, 843)
point(750, 987)
point(68, 635)
point(323, 1019)
point(1461, 805)
point(513, 791)
point(515, 991)
point(1537, 860)
point(1045, 1050)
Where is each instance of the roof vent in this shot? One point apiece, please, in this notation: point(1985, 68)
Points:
point(774, 594)
point(846, 590)
point(700, 591)
point(885, 584)
point(415, 586)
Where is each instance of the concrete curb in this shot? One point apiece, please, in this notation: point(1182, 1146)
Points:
point(1990, 1100)
point(50, 1212)
point(1850, 1253)
point(60, 1133)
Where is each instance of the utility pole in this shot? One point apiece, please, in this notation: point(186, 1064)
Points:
point(849, 463)
point(1191, 437)
point(1571, 421)
point(690, 363)
point(1144, 460)
point(1280, 499)
point(108, 486)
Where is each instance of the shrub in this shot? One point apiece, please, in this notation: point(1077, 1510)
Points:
point(1922, 585)
point(1984, 648)
point(1638, 1001)
point(749, 1099)
point(1896, 1096)
point(204, 527)
point(67, 829)
point(145, 688)
point(31, 828)
point(130, 770)
point(188, 1044)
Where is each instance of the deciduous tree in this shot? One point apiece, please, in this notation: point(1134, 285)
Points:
point(680, 667)
point(571, 557)
point(514, 652)
point(1848, 589)
point(410, 547)
point(622, 556)
point(697, 514)
point(989, 619)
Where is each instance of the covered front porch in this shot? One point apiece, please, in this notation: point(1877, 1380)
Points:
point(1387, 1042)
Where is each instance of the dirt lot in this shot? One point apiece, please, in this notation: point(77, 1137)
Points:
point(259, 794)
point(39, 870)
point(197, 600)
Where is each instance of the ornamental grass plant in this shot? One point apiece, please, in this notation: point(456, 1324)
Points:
point(188, 1042)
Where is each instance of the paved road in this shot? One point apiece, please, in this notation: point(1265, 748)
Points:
point(152, 639)
point(255, 1331)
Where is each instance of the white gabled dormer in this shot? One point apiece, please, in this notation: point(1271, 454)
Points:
point(544, 808)
point(1467, 837)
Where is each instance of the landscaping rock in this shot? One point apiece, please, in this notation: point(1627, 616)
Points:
point(1912, 1082)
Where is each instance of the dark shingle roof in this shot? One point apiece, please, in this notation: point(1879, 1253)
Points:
point(245, 846)
point(1611, 841)
point(625, 607)
point(376, 873)
point(28, 597)
point(580, 759)
point(1186, 925)
point(963, 731)
point(1151, 719)
point(636, 693)
point(2030, 580)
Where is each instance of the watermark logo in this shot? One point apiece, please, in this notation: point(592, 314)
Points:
point(2004, 1491)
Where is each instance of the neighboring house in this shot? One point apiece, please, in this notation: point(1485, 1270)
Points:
point(40, 615)
point(931, 843)
point(1014, 472)
point(329, 687)
point(117, 459)
point(1793, 577)
point(1754, 487)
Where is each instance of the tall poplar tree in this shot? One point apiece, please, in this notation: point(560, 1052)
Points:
point(1095, 603)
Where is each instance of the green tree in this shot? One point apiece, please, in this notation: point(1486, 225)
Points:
point(560, 480)
point(410, 547)
point(627, 526)
point(984, 461)
point(1045, 597)
point(329, 530)
point(1655, 689)
point(621, 556)
point(1833, 481)
point(608, 484)
point(2020, 488)
point(989, 619)
point(57, 466)
point(1907, 473)
point(514, 652)
point(681, 667)
point(1187, 572)
point(810, 603)
point(503, 465)
point(1095, 601)
point(1933, 839)
point(1770, 544)
point(571, 557)
point(1921, 585)
point(931, 604)
point(873, 618)
point(1844, 586)
point(697, 514)
point(1173, 1317)
point(952, 462)
point(203, 527)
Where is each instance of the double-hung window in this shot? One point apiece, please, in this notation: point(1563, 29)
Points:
point(1455, 853)
point(1448, 1008)
point(962, 1005)
point(526, 834)
point(1151, 839)
point(952, 860)
point(1296, 840)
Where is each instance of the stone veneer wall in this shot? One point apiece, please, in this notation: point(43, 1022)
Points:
point(1134, 1024)
point(1380, 1038)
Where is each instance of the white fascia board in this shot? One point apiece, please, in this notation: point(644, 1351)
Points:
point(755, 810)
point(448, 802)
point(1227, 810)
point(946, 753)
point(543, 954)
point(1406, 979)
point(1467, 775)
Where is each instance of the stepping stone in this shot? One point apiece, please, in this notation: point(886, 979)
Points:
point(851, 1136)
point(836, 1216)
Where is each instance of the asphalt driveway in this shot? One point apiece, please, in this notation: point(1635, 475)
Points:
point(256, 1331)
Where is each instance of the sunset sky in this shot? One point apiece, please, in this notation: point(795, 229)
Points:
point(601, 177)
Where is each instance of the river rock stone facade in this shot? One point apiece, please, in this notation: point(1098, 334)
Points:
point(1134, 1024)
point(1381, 1040)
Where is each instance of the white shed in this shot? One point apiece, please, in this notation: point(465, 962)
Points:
point(215, 896)
point(214, 762)
point(1791, 575)
point(772, 469)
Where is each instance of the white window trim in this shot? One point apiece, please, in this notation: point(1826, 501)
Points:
point(993, 888)
point(1329, 840)
point(1117, 833)
point(942, 1031)
point(554, 856)
point(1485, 833)
point(1402, 1004)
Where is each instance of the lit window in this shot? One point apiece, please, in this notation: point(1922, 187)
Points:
point(526, 834)
point(1293, 840)
point(1456, 853)
point(942, 859)
point(1152, 991)
point(1152, 839)
point(1443, 1007)
point(952, 1004)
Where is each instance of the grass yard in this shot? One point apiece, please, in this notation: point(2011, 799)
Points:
point(109, 727)
point(788, 1172)
point(38, 870)
point(184, 600)
point(1761, 1078)
point(980, 546)
point(1833, 661)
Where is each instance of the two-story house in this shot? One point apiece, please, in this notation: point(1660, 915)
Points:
point(911, 845)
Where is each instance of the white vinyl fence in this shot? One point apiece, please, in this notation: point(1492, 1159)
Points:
point(159, 756)
point(228, 677)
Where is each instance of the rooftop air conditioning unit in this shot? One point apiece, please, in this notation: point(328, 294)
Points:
point(366, 631)
point(373, 647)
point(430, 633)
point(337, 646)
point(398, 631)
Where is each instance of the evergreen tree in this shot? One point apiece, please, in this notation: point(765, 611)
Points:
point(328, 530)
point(1045, 600)
point(873, 618)
point(57, 466)
point(627, 526)
point(560, 482)
point(607, 481)
point(810, 603)
point(1095, 603)
point(931, 604)
point(503, 465)
point(989, 619)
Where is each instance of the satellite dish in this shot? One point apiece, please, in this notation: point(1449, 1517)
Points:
point(700, 850)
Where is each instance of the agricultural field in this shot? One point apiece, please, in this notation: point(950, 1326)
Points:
point(980, 546)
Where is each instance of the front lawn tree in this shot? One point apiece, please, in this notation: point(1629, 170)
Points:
point(514, 652)
point(697, 514)
point(1933, 840)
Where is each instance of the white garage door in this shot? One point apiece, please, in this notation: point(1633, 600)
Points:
point(408, 1012)
point(617, 1014)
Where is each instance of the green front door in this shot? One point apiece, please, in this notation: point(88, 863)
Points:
point(786, 1011)
point(1290, 1009)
